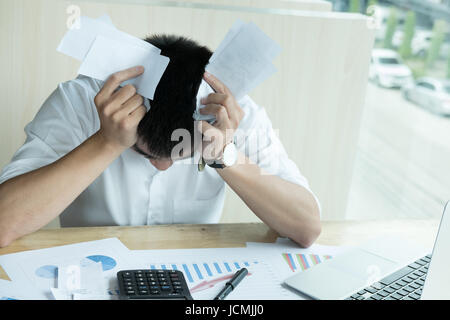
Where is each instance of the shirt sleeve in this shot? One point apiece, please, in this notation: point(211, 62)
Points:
point(66, 118)
point(257, 139)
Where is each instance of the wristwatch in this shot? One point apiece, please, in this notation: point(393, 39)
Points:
point(229, 157)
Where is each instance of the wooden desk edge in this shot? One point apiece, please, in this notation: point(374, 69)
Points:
point(228, 235)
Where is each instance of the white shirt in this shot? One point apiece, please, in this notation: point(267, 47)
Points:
point(131, 191)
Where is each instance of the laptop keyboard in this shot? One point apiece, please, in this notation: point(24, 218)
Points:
point(404, 284)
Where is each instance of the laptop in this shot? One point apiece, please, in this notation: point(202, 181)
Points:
point(347, 276)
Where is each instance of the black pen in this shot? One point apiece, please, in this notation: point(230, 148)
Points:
point(231, 285)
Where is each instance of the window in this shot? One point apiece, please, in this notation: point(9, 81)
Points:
point(426, 85)
point(446, 89)
point(388, 60)
point(402, 164)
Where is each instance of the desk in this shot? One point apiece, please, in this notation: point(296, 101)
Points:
point(421, 232)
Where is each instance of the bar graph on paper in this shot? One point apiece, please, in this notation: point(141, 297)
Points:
point(302, 262)
point(206, 278)
point(196, 272)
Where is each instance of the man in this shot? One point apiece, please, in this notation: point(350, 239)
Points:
point(95, 156)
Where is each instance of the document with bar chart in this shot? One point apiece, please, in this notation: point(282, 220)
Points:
point(206, 276)
point(301, 261)
point(287, 257)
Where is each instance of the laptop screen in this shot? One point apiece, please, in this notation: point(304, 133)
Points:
point(437, 280)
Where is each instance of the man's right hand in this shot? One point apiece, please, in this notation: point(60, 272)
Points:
point(120, 111)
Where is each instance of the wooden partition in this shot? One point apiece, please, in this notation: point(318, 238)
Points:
point(315, 100)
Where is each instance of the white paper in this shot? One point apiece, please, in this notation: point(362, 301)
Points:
point(106, 19)
point(203, 91)
point(234, 30)
point(105, 50)
point(242, 61)
point(107, 56)
point(83, 277)
point(207, 270)
point(15, 290)
point(61, 294)
point(244, 58)
point(77, 42)
point(40, 268)
point(288, 258)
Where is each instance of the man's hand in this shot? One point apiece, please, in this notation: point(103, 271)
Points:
point(228, 115)
point(120, 110)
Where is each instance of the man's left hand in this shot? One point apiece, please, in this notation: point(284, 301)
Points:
point(228, 115)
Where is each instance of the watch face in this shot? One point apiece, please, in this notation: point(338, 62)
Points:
point(230, 155)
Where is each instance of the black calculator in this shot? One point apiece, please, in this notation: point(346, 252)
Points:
point(153, 284)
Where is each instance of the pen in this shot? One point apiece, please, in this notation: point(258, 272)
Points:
point(231, 285)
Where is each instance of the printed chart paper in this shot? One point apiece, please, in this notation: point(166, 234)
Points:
point(207, 270)
point(41, 268)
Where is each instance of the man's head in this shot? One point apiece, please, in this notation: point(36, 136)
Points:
point(174, 101)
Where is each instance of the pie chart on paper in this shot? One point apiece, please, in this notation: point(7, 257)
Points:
point(47, 272)
point(108, 263)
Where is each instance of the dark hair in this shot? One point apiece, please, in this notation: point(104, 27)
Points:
point(175, 97)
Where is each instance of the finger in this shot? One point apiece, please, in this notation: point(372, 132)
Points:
point(219, 111)
point(205, 128)
point(217, 98)
point(138, 114)
point(130, 105)
point(215, 83)
point(226, 101)
point(117, 78)
point(211, 142)
point(124, 94)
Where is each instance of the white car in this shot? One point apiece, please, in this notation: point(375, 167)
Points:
point(387, 69)
point(430, 93)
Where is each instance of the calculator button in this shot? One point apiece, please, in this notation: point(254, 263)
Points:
point(143, 292)
point(154, 287)
point(166, 288)
point(130, 292)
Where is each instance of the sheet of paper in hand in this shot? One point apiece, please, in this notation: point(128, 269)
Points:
point(242, 61)
point(105, 50)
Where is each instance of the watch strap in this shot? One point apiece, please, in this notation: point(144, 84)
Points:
point(216, 165)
